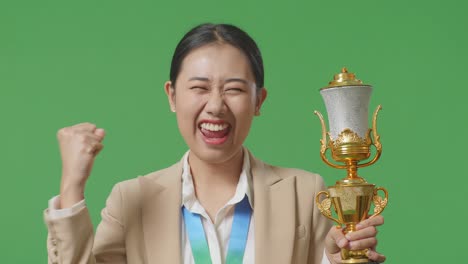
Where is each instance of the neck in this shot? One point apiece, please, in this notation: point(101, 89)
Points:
point(224, 174)
point(215, 183)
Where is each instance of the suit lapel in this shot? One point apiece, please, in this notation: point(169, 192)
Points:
point(274, 214)
point(161, 200)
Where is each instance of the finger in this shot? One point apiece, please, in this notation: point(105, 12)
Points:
point(88, 138)
point(100, 132)
point(91, 143)
point(62, 132)
point(375, 256)
point(363, 243)
point(84, 127)
point(335, 240)
point(367, 232)
point(94, 148)
point(98, 148)
point(374, 221)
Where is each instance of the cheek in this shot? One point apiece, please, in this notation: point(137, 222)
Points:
point(243, 111)
point(242, 106)
point(188, 108)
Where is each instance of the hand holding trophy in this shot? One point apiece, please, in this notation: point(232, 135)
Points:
point(349, 140)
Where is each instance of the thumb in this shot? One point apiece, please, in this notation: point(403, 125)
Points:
point(335, 240)
point(100, 132)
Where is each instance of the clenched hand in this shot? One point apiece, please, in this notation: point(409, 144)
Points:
point(79, 146)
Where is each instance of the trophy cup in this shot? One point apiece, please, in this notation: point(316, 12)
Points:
point(349, 140)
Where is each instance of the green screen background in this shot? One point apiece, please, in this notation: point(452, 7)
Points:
point(64, 62)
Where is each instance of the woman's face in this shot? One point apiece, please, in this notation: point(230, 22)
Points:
point(215, 100)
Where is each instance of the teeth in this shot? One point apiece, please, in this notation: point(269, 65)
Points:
point(213, 127)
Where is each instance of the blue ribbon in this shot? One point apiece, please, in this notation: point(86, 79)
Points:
point(237, 240)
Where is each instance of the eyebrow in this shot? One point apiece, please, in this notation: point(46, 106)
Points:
point(199, 79)
point(226, 81)
point(236, 80)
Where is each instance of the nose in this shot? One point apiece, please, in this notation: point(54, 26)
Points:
point(216, 106)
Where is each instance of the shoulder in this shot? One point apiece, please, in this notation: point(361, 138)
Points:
point(304, 179)
point(155, 177)
point(308, 184)
point(299, 174)
point(128, 193)
point(270, 174)
point(305, 185)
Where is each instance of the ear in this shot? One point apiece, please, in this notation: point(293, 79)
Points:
point(261, 96)
point(170, 92)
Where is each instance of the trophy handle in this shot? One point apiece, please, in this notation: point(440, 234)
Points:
point(323, 144)
point(379, 203)
point(376, 143)
point(325, 205)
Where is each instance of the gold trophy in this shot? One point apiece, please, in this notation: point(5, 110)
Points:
point(349, 140)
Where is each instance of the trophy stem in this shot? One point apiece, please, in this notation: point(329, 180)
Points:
point(353, 256)
point(352, 169)
point(352, 176)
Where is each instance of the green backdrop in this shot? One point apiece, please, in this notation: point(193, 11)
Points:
point(64, 62)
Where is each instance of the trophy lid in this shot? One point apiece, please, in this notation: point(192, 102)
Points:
point(344, 78)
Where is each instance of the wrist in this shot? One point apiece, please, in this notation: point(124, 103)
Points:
point(70, 195)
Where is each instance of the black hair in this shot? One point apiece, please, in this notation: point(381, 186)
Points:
point(223, 33)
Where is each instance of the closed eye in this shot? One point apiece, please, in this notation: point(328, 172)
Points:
point(198, 88)
point(234, 90)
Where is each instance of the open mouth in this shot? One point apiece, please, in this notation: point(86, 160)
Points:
point(214, 132)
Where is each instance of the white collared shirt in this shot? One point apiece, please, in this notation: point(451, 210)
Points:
point(217, 233)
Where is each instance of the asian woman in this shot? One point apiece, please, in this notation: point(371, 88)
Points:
point(219, 204)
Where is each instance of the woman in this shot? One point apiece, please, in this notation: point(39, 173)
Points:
point(219, 204)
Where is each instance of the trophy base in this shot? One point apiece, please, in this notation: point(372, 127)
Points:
point(348, 261)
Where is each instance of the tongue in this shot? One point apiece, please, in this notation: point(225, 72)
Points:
point(215, 134)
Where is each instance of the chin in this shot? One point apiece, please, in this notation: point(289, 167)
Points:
point(215, 155)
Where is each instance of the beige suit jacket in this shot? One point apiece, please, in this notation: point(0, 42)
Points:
point(142, 219)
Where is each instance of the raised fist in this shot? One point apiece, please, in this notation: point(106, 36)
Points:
point(79, 146)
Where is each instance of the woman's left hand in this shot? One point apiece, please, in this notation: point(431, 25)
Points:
point(363, 238)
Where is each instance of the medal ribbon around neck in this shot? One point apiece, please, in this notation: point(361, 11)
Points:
point(237, 240)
